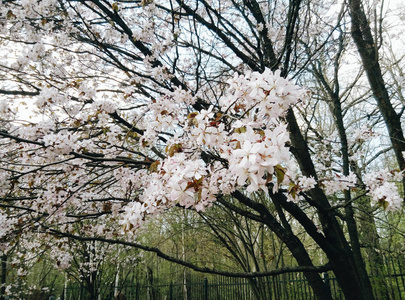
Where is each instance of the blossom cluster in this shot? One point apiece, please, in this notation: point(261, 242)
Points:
point(339, 183)
point(218, 149)
point(383, 188)
point(260, 95)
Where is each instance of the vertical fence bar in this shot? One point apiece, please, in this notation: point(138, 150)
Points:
point(327, 282)
point(276, 292)
point(227, 284)
point(389, 271)
point(307, 288)
point(296, 283)
point(206, 288)
point(220, 288)
point(396, 279)
point(269, 290)
point(303, 286)
point(291, 286)
point(401, 274)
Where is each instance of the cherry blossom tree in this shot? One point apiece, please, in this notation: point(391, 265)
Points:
point(114, 112)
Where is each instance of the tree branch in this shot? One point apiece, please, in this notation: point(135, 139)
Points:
point(159, 253)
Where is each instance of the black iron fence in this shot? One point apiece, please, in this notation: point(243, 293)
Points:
point(283, 287)
point(387, 279)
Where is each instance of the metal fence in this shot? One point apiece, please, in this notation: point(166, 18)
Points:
point(220, 288)
point(389, 285)
point(283, 287)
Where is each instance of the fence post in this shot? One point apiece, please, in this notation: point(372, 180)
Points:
point(327, 281)
point(206, 288)
point(137, 291)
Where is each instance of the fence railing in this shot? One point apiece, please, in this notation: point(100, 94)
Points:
point(388, 282)
point(283, 287)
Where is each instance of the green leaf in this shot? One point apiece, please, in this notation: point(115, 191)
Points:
point(171, 150)
point(280, 173)
point(382, 203)
point(292, 189)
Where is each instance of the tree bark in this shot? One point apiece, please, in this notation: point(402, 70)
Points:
point(336, 108)
point(3, 276)
point(348, 270)
point(292, 242)
point(370, 240)
point(368, 51)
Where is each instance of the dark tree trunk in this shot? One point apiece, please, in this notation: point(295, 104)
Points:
point(350, 218)
point(349, 269)
point(370, 240)
point(3, 277)
point(368, 51)
point(292, 242)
